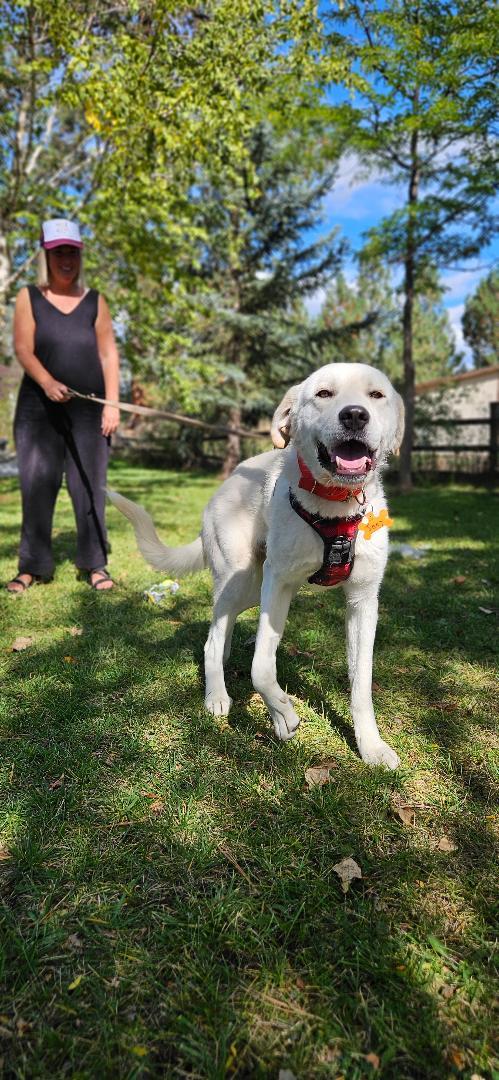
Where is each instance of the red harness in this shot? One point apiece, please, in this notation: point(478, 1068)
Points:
point(338, 536)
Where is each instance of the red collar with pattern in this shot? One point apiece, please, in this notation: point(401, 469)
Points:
point(309, 483)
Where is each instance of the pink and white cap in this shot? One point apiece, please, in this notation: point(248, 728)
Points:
point(59, 231)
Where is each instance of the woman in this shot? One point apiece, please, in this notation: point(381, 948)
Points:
point(63, 338)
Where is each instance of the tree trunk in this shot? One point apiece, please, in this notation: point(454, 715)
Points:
point(233, 444)
point(4, 285)
point(405, 473)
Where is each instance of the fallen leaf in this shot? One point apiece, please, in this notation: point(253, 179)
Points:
point(458, 1059)
point(22, 1026)
point(149, 795)
point(22, 643)
point(317, 775)
point(373, 1060)
point(347, 870)
point(446, 844)
point(70, 660)
point(459, 580)
point(139, 1051)
point(448, 991)
point(75, 942)
point(330, 1054)
point(299, 982)
point(405, 812)
point(157, 806)
point(293, 650)
point(5, 854)
point(76, 982)
point(76, 631)
point(57, 783)
point(376, 687)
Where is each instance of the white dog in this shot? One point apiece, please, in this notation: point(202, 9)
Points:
point(296, 514)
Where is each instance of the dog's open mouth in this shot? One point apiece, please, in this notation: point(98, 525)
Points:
point(348, 460)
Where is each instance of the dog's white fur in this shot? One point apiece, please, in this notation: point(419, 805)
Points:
point(259, 550)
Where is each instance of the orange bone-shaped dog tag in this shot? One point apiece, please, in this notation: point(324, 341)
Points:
point(375, 522)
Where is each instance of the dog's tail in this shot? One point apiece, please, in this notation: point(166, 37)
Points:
point(175, 560)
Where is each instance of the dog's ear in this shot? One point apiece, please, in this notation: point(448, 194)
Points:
point(399, 427)
point(281, 420)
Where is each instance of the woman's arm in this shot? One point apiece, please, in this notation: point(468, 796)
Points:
point(110, 361)
point(24, 345)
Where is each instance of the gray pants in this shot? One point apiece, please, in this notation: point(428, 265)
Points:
point(53, 440)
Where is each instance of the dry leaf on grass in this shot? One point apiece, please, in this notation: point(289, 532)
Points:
point(57, 783)
point(459, 579)
point(347, 870)
point(402, 809)
point(373, 1060)
point(446, 844)
point(75, 631)
point(76, 982)
point(22, 1026)
point(157, 806)
point(22, 643)
point(317, 775)
point(293, 650)
point(70, 660)
point(458, 1059)
point(5, 854)
point(75, 942)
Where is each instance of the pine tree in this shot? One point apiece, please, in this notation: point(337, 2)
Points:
point(481, 321)
point(371, 301)
point(256, 267)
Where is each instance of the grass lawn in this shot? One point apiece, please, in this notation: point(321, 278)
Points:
point(168, 903)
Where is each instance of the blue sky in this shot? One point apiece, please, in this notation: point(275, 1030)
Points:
point(357, 202)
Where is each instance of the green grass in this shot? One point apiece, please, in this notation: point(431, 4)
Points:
point(168, 903)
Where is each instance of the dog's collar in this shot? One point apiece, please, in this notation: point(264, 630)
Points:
point(335, 494)
point(338, 536)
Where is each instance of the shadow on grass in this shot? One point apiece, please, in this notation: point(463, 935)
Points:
point(171, 908)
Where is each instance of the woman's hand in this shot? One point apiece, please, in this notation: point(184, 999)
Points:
point(55, 391)
point(110, 419)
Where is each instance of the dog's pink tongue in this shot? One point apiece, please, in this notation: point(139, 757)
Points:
point(349, 465)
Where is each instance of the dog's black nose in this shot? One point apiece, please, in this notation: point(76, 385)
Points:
point(354, 417)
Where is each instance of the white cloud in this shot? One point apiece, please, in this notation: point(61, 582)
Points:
point(455, 314)
point(458, 284)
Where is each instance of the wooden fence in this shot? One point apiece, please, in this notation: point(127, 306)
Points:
point(490, 448)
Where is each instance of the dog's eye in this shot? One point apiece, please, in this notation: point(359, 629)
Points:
point(324, 393)
point(376, 394)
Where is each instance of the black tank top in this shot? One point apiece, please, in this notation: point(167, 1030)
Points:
point(66, 345)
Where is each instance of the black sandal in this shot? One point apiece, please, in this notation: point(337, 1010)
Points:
point(35, 580)
point(103, 576)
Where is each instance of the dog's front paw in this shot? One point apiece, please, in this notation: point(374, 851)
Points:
point(218, 704)
point(285, 720)
point(379, 753)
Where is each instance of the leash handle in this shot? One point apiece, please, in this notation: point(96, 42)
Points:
point(178, 418)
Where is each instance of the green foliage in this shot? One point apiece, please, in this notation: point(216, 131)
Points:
point(254, 267)
point(371, 299)
point(481, 321)
point(422, 113)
